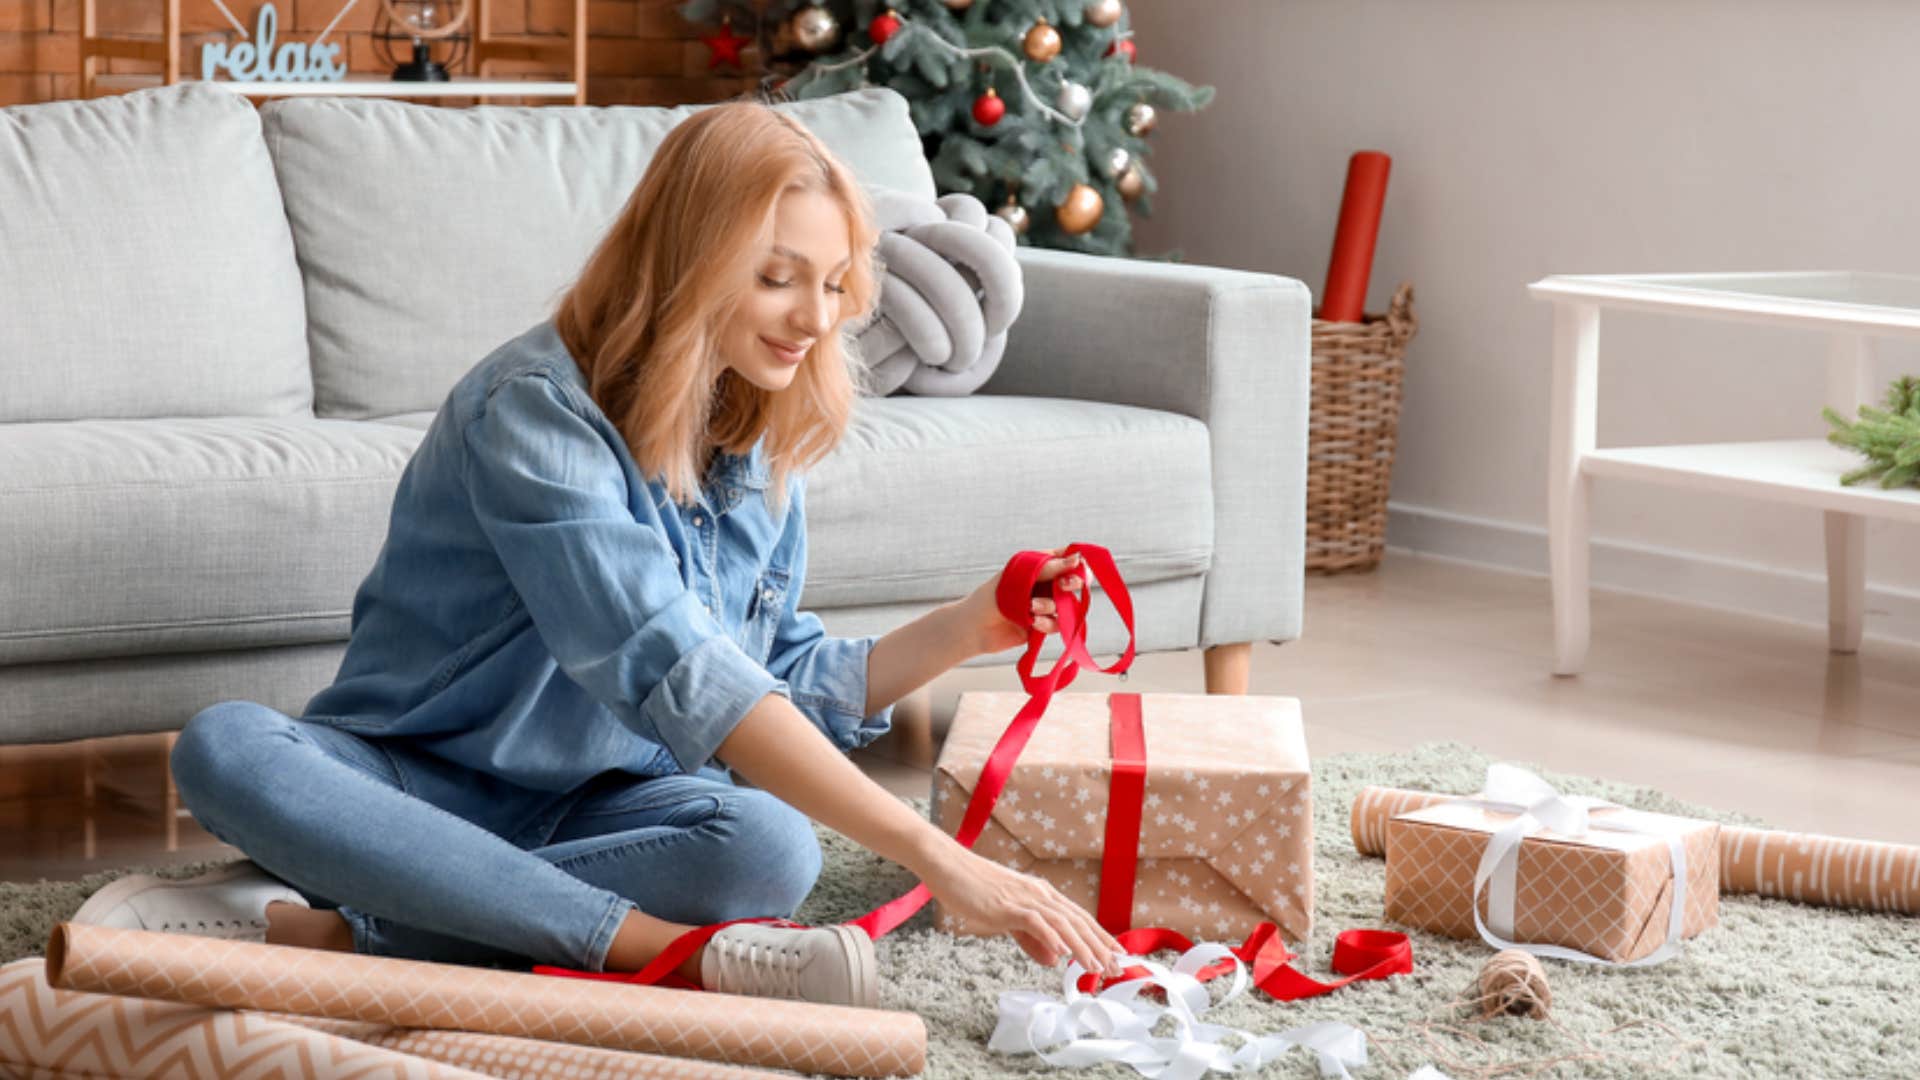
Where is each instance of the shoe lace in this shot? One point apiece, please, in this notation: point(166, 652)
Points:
point(748, 967)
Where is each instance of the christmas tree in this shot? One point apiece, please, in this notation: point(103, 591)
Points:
point(1034, 107)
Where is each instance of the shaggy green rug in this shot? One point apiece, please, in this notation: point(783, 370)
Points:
point(1776, 990)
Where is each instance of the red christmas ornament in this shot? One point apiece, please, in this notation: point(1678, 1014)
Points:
point(1122, 45)
point(725, 45)
point(988, 108)
point(883, 27)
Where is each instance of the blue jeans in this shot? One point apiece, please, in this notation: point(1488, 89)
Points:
point(428, 860)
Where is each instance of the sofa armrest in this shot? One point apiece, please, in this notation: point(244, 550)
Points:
point(1227, 347)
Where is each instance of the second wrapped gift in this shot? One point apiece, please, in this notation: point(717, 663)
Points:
point(1217, 784)
point(1521, 865)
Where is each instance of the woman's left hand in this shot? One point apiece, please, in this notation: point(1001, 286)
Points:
point(994, 632)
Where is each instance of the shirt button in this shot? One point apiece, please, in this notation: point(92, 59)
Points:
point(698, 521)
point(767, 596)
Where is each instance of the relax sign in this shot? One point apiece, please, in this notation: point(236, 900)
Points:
point(260, 60)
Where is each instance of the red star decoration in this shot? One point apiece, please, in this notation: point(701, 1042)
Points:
point(725, 46)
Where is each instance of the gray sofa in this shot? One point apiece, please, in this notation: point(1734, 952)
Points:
point(222, 332)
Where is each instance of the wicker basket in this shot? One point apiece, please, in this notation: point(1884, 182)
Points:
point(1350, 434)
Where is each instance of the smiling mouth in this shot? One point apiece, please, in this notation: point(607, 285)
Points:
point(785, 353)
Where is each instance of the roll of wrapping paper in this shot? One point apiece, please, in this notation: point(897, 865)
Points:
point(44, 1031)
point(1827, 871)
point(796, 1035)
point(1351, 264)
point(524, 1059)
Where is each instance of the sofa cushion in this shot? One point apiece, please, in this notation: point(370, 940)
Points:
point(160, 536)
point(428, 235)
point(926, 498)
point(146, 268)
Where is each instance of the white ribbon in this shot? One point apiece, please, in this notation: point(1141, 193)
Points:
point(1077, 1029)
point(1538, 805)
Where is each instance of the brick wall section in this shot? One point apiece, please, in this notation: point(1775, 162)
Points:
point(639, 52)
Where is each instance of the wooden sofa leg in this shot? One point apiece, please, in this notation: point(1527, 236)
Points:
point(1228, 667)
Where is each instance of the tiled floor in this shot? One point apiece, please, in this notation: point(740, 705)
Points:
point(1723, 709)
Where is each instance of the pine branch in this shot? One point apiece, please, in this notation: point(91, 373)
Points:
point(1889, 437)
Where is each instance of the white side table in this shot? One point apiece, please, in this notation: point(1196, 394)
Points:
point(1855, 308)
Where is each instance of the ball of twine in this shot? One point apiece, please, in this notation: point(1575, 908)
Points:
point(1514, 984)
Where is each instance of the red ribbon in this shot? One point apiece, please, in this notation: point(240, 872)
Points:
point(1357, 954)
point(1118, 859)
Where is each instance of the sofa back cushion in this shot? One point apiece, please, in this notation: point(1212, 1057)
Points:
point(429, 236)
point(145, 264)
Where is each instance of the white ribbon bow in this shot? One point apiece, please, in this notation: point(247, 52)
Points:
point(1116, 1025)
point(1538, 805)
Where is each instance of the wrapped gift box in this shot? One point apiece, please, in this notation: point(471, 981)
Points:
point(1606, 893)
point(1226, 831)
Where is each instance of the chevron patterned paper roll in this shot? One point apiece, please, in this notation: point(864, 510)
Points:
point(62, 1033)
point(1825, 870)
point(769, 1033)
point(48, 1032)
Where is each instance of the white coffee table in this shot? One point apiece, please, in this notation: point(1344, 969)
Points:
point(1855, 308)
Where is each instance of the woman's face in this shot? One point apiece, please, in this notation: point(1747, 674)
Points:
point(794, 298)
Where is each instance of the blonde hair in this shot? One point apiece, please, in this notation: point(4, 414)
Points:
point(645, 317)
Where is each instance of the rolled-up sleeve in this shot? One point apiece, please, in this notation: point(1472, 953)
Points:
point(602, 587)
point(825, 677)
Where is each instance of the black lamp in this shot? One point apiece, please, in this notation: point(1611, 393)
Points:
point(430, 33)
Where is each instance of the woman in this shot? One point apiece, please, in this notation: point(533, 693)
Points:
point(585, 607)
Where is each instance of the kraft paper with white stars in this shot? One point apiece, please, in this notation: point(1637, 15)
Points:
point(1226, 832)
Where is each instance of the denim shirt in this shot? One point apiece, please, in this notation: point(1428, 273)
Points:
point(542, 613)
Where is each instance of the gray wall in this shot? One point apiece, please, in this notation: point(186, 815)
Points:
point(1533, 137)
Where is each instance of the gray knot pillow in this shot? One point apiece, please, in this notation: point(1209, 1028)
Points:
point(949, 288)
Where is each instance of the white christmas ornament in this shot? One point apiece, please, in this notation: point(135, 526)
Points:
point(1104, 12)
point(1074, 100)
point(815, 28)
point(1141, 118)
point(1117, 161)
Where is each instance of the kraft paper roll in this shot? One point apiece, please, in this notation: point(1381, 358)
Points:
point(508, 1058)
point(1824, 870)
point(46, 1032)
point(770, 1033)
point(1375, 806)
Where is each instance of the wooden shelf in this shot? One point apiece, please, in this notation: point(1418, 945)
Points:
point(374, 86)
point(569, 52)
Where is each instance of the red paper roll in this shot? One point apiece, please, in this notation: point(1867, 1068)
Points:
point(1345, 297)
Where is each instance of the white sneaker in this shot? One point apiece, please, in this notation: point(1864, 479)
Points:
point(230, 903)
point(832, 965)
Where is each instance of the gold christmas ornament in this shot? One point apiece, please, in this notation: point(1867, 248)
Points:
point(1015, 215)
point(815, 28)
point(1081, 211)
point(1140, 118)
point(1104, 12)
point(1131, 183)
point(1042, 42)
point(1118, 161)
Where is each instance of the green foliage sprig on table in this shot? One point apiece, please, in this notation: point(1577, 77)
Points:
point(1890, 437)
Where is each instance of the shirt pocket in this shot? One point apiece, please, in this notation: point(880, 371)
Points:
point(764, 610)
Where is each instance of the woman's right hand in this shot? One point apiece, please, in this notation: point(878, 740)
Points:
point(993, 899)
